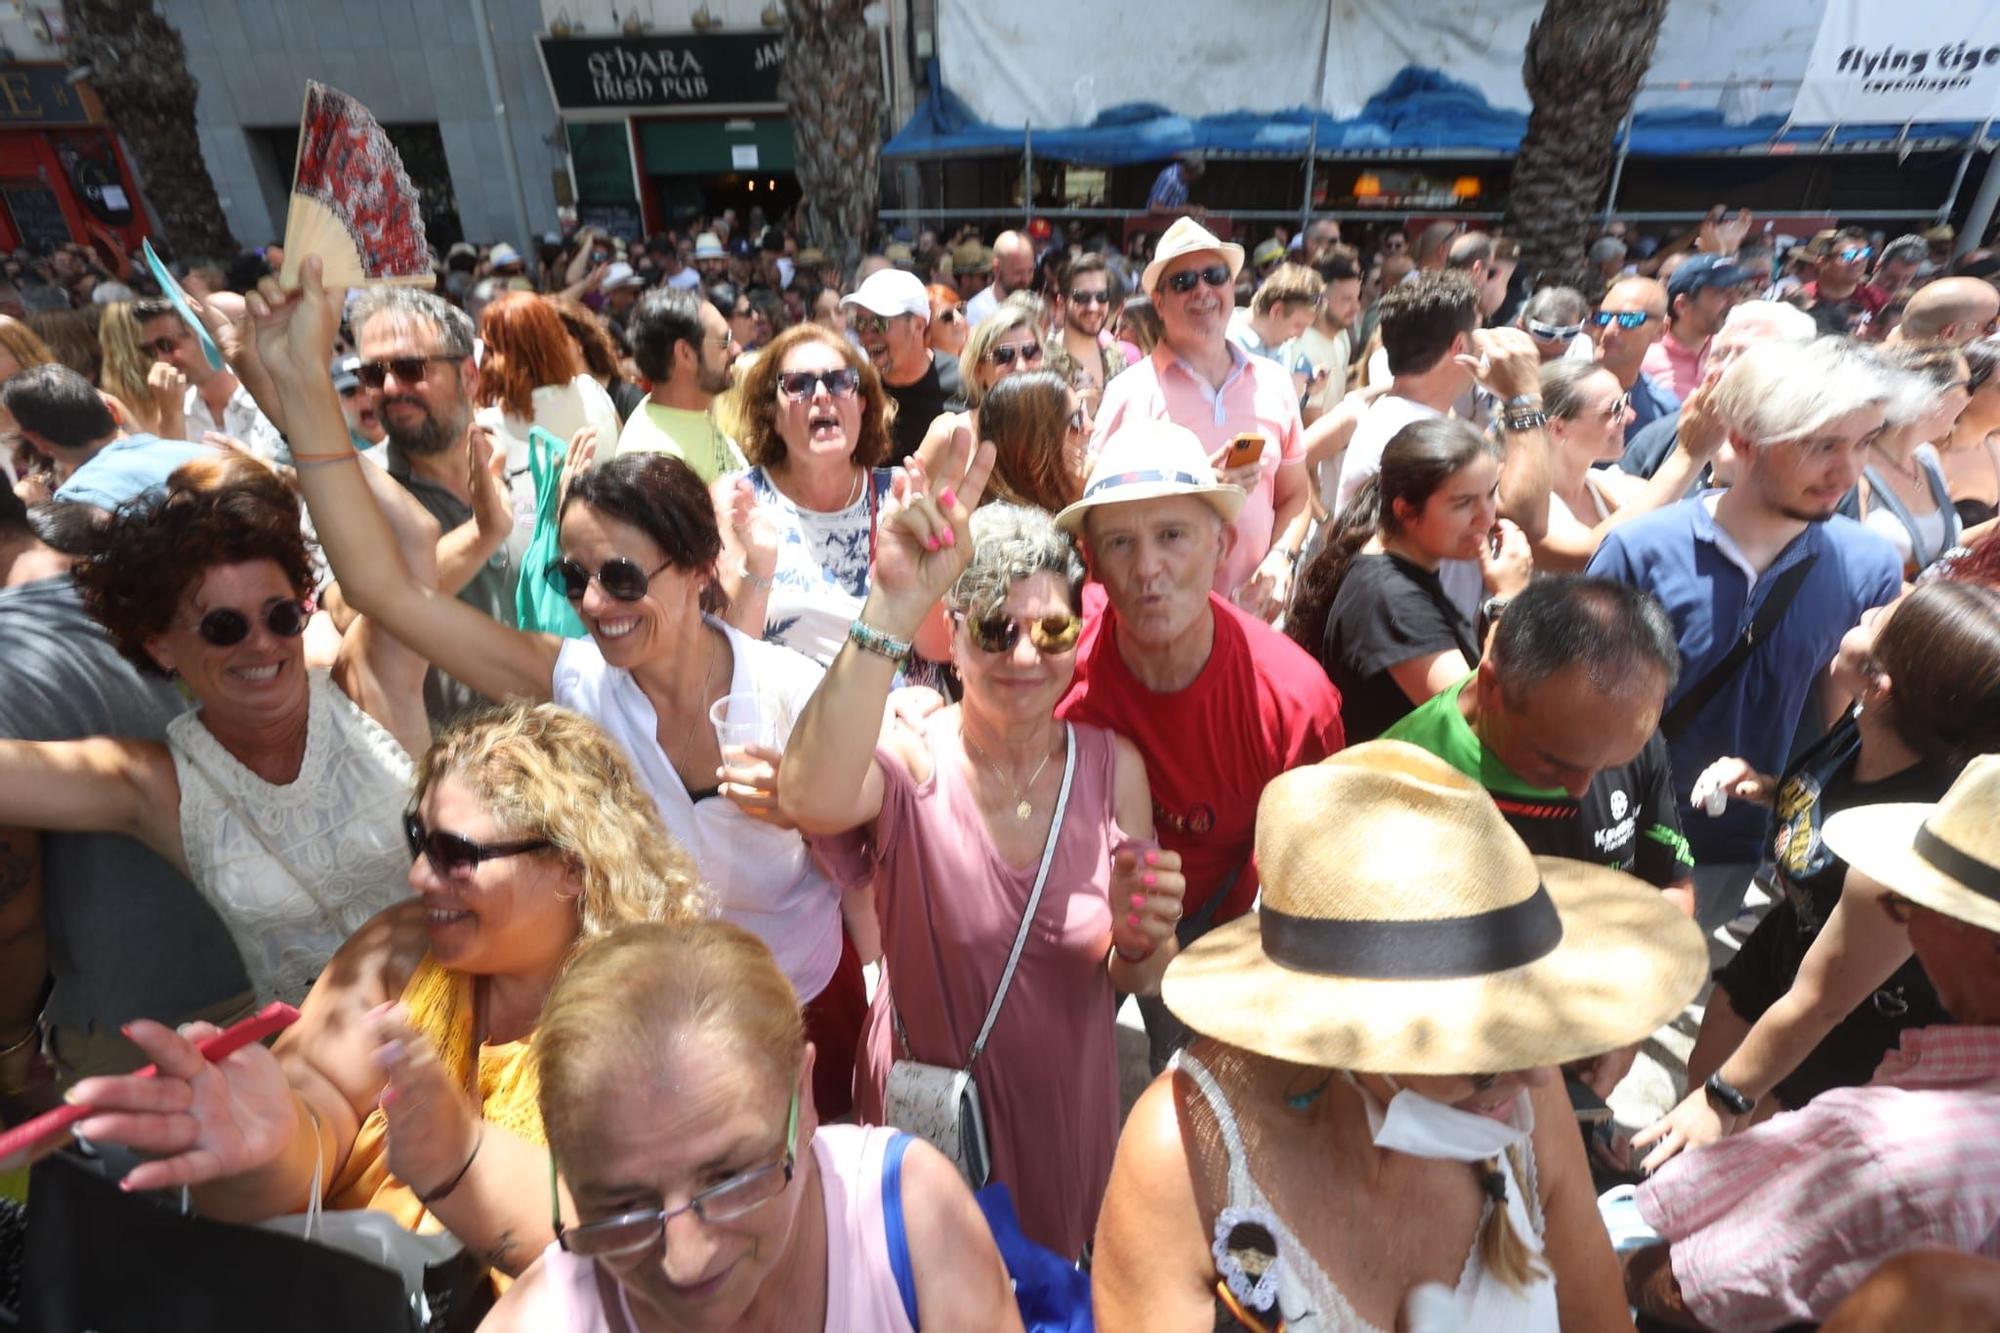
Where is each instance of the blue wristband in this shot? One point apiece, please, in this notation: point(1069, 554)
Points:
point(871, 640)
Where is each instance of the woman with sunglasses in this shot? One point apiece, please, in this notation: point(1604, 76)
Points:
point(948, 329)
point(639, 548)
point(704, 1193)
point(279, 796)
point(1038, 429)
point(1007, 342)
point(1903, 495)
point(954, 827)
point(407, 1085)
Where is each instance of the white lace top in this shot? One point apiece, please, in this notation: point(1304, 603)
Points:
point(294, 870)
point(1307, 1299)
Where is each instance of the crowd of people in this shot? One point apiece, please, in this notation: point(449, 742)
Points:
point(710, 741)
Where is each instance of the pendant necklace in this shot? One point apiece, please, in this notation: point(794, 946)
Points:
point(1024, 809)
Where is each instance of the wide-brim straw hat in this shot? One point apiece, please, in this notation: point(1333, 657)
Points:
point(1145, 459)
point(1406, 929)
point(1945, 856)
point(1187, 237)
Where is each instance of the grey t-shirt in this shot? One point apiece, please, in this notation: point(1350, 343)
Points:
point(128, 936)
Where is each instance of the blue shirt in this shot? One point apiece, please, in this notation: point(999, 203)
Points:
point(1651, 400)
point(1170, 188)
point(1681, 557)
point(128, 468)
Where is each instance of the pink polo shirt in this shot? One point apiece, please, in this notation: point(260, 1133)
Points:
point(1257, 397)
point(1674, 365)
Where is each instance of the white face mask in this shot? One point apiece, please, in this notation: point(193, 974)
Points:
point(1421, 1126)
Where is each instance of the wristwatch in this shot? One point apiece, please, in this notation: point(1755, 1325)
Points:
point(1720, 1091)
point(1529, 419)
point(1492, 608)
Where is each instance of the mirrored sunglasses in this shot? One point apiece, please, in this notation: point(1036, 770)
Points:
point(1052, 634)
point(225, 627)
point(1624, 319)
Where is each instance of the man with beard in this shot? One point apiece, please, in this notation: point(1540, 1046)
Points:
point(1086, 309)
point(682, 344)
point(891, 318)
point(417, 370)
point(1760, 581)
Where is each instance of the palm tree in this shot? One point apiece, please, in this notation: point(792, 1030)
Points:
point(138, 68)
point(832, 88)
point(1584, 63)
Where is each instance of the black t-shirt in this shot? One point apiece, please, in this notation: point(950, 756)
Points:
point(920, 403)
point(1386, 611)
point(1625, 819)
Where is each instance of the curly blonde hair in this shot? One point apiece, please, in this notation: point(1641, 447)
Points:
point(546, 772)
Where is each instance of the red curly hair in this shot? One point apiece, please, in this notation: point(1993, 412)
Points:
point(152, 551)
point(527, 348)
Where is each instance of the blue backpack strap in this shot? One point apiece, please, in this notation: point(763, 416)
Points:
point(892, 1224)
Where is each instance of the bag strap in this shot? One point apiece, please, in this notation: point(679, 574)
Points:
point(1034, 898)
point(893, 1229)
point(1762, 622)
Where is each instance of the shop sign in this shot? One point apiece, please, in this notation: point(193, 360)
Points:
point(663, 71)
point(40, 95)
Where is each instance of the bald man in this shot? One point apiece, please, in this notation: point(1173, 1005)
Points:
point(1013, 271)
point(1629, 320)
point(1957, 310)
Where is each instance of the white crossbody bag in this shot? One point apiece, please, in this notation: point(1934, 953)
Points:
point(940, 1104)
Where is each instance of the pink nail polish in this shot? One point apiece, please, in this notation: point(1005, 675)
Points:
point(1152, 858)
point(1150, 880)
point(1138, 900)
point(1131, 920)
point(950, 538)
point(947, 497)
point(930, 543)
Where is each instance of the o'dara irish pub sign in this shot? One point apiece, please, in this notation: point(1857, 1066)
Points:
point(664, 71)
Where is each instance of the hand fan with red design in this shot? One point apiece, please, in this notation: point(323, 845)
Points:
point(352, 203)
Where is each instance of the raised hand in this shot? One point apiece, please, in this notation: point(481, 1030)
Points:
point(431, 1124)
point(486, 481)
point(580, 458)
point(293, 335)
point(1508, 562)
point(200, 1121)
point(1146, 892)
point(1505, 363)
point(748, 532)
point(924, 538)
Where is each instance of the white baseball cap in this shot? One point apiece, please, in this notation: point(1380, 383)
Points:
point(891, 292)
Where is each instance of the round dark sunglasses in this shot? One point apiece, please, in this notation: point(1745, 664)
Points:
point(225, 627)
point(454, 857)
point(619, 577)
point(1052, 634)
point(1027, 354)
point(1185, 281)
point(840, 383)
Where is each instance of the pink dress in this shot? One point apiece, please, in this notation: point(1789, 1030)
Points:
point(949, 906)
point(861, 1292)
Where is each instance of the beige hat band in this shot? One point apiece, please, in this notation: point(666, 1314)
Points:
point(1482, 944)
point(1975, 874)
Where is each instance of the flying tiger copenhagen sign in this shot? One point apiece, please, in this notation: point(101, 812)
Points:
point(1896, 61)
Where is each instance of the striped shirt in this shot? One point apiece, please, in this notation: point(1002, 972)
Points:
point(1780, 1223)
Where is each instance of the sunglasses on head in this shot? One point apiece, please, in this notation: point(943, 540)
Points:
point(840, 383)
point(226, 627)
point(1090, 298)
point(408, 369)
point(1624, 319)
point(1185, 281)
point(1051, 634)
point(1026, 353)
point(620, 578)
point(454, 857)
point(1553, 333)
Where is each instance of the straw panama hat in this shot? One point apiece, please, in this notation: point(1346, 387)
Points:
point(1945, 857)
point(1144, 460)
point(1187, 237)
point(1406, 929)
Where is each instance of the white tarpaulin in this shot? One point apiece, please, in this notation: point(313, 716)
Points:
point(1059, 62)
point(1890, 61)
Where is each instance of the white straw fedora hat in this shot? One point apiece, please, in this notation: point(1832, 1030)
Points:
point(1144, 460)
point(1406, 929)
point(1188, 237)
point(1945, 857)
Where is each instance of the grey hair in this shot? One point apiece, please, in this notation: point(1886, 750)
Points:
point(453, 325)
point(1013, 542)
point(1556, 305)
point(1786, 322)
point(1776, 392)
point(1910, 249)
point(1606, 248)
point(1562, 384)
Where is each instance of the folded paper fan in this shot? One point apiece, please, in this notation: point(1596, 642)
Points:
point(352, 203)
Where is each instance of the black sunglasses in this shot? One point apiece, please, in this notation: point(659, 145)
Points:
point(454, 857)
point(619, 577)
point(840, 383)
point(1185, 281)
point(1026, 353)
point(408, 369)
point(226, 627)
point(1053, 634)
point(1090, 298)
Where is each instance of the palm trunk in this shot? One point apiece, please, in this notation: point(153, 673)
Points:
point(1584, 63)
point(832, 88)
point(138, 68)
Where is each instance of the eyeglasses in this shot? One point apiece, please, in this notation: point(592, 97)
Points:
point(226, 627)
point(841, 383)
point(1614, 410)
point(870, 323)
point(1090, 298)
point(1553, 333)
point(619, 577)
point(454, 857)
point(1077, 419)
point(1185, 281)
point(1026, 353)
point(408, 369)
point(161, 346)
point(1624, 319)
point(1052, 634)
point(1854, 254)
point(628, 1233)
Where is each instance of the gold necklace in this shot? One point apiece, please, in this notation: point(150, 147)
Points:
point(1024, 809)
point(1911, 470)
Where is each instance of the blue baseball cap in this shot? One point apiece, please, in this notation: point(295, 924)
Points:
point(1705, 271)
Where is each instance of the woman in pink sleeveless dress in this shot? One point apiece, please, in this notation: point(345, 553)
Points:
point(703, 1194)
point(951, 826)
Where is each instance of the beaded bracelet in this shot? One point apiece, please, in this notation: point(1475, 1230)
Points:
point(871, 640)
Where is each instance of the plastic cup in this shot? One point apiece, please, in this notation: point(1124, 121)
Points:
point(739, 723)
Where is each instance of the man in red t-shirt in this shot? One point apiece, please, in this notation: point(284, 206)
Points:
point(1217, 702)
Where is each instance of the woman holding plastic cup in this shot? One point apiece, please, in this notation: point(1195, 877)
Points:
point(639, 546)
